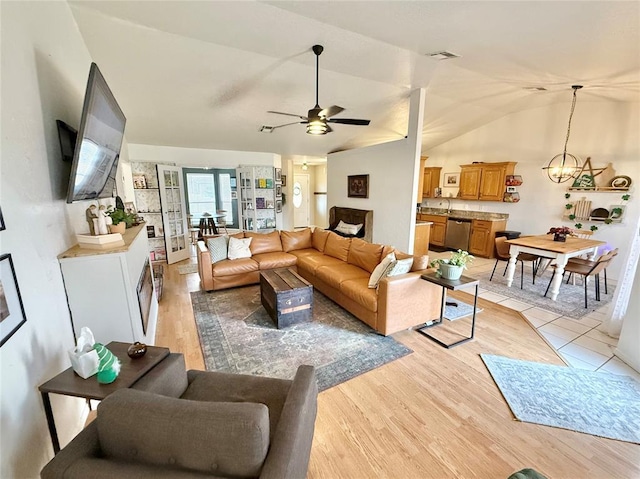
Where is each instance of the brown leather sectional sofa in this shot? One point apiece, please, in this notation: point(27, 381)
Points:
point(339, 268)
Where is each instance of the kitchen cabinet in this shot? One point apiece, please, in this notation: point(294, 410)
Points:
point(421, 238)
point(482, 238)
point(423, 160)
point(430, 181)
point(438, 228)
point(484, 181)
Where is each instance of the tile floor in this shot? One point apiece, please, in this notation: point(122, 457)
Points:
point(580, 341)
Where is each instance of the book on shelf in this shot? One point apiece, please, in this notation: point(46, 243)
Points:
point(260, 203)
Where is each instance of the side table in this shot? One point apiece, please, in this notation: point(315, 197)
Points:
point(451, 284)
point(68, 383)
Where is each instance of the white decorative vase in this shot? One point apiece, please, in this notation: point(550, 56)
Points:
point(448, 271)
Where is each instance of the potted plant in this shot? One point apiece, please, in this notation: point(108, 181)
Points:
point(560, 233)
point(452, 268)
point(120, 220)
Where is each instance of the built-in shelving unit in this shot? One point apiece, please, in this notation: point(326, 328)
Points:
point(147, 202)
point(257, 198)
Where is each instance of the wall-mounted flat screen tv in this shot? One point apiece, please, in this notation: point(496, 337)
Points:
point(97, 148)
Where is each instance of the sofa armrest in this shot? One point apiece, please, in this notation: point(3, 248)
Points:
point(84, 445)
point(168, 378)
point(405, 301)
point(204, 266)
point(290, 449)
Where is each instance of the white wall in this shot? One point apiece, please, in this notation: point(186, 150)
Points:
point(605, 131)
point(393, 181)
point(45, 66)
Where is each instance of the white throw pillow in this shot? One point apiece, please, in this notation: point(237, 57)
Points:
point(381, 270)
point(348, 229)
point(239, 248)
point(218, 248)
point(402, 266)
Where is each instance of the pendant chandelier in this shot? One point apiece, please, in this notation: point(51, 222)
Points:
point(565, 166)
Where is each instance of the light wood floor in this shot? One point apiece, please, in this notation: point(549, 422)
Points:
point(435, 413)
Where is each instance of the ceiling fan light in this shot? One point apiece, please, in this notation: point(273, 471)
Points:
point(317, 127)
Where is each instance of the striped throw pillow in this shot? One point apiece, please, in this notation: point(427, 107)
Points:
point(218, 248)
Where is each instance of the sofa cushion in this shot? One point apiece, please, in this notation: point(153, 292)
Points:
point(229, 387)
point(311, 262)
point(319, 239)
point(295, 240)
point(228, 267)
point(337, 246)
point(382, 270)
point(305, 252)
point(224, 438)
point(274, 260)
point(358, 290)
point(264, 242)
point(364, 254)
point(218, 248)
point(239, 248)
point(334, 275)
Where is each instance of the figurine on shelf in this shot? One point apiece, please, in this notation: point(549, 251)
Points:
point(91, 214)
point(102, 222)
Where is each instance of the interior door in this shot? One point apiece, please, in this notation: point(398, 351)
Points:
point(174, 213)
point(301, 201)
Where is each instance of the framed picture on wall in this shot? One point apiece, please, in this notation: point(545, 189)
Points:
point(12, 314)
point(278, 191)
point(278, 206)
point(358, 186)
point(451, 180)
point(284, 180)
point(278, 174)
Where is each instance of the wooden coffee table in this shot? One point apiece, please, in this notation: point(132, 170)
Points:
point(69, 383)
point(287, 297)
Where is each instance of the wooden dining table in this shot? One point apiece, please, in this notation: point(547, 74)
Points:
point(545, 246)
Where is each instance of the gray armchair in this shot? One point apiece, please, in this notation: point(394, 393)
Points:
point(180, 424)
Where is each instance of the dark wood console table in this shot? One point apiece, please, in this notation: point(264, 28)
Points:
point(68, 383)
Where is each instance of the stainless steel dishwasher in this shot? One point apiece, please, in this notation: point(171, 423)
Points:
point(458, 230)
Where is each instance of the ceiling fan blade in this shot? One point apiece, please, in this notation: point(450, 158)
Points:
point(287, 124)
point(331, 111)
point(289, 114)
point(329, 129)
point(350, 121)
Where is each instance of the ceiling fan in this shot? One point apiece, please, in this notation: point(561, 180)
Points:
point(317, 118)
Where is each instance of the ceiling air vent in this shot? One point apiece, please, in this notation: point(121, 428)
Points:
point(266, 129)
point(443, 55)
point(535, 88)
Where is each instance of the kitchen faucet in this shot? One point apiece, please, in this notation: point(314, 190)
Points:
point(448, 205)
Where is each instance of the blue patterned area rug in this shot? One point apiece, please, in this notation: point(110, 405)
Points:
point(601, 404)
point(570, 300)
point(460, 311)
point(238, 336)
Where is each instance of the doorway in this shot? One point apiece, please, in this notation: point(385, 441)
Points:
point(301, 201)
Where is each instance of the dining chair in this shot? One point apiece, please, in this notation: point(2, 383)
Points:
point(222, 221)
point(587, 270)
point(592, 263)
point(502, 254)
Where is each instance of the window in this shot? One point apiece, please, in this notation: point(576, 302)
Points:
point(210, 191)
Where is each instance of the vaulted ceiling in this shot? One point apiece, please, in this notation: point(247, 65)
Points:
point(204, 74)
